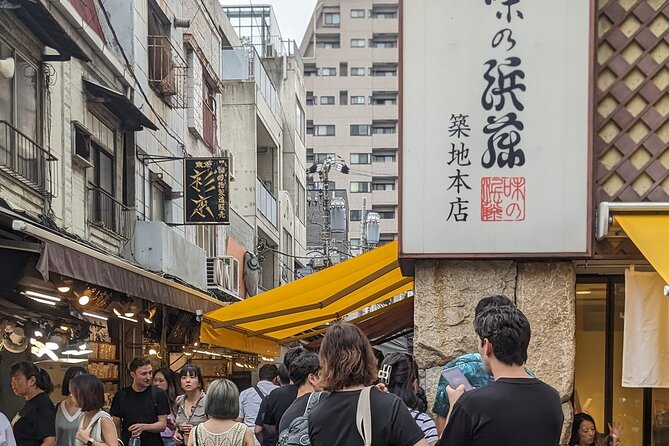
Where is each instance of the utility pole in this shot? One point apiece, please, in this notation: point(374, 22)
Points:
point(363, 219)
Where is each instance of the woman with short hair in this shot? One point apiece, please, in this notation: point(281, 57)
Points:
point(348, 365)
point(190, 406)
point(96, 427)
point(68, 415)
point(221, 428)
point(35, 424)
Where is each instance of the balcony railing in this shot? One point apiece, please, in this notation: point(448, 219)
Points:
point(168, 71)
point(107, 212)
point(265, 202)
point(25, 160)
point(209, 118)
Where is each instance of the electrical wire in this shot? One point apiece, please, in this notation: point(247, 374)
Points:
point(160, 119)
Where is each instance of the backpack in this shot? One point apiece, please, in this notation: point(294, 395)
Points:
point(297, 432)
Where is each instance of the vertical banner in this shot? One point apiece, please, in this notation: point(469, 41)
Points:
point(495, 128)
point(206, 191)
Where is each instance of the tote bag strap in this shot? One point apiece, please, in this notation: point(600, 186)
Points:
point(363, 416)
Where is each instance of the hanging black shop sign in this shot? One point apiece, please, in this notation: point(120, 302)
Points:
point(206, 191)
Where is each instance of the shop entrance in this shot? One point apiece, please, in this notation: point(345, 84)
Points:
point(642, 413)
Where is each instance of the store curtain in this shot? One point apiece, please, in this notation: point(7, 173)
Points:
point(646, 334)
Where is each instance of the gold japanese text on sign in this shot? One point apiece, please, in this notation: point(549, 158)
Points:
point(206, 191)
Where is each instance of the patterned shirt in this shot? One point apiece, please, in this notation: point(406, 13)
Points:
point(471, 365)
point(426, 424)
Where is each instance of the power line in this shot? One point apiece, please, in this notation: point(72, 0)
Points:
point(164, 124)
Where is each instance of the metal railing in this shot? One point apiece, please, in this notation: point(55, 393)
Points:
point(168, 71)
point(265, 202)
point(209, 127)
point(244, 63)
point(107, 212)
point(25, 160)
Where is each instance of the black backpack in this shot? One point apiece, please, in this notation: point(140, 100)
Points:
point(297, 432)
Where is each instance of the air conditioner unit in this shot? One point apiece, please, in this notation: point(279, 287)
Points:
point(223, 274)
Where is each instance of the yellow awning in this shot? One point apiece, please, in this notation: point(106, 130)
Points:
point(650, 233)
point(309, 302)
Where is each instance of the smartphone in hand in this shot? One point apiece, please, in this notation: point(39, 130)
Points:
point(455, 377)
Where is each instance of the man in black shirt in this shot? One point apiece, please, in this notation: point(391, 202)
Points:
point(516, 409)
point(276, 403)
point(141, 410)
point(304, 374)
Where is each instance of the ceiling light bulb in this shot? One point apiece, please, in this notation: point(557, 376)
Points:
point(148, 321)
point(84, 300)
point(152, 351)
point(64, 327)
point(38, 334)
point(64, 289)
point(116, 312)
point(128, 314)
point(52, 346)
point(83, 346)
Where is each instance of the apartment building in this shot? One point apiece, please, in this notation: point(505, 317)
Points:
point(350, 67)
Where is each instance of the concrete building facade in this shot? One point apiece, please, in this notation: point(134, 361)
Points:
point(350, 53)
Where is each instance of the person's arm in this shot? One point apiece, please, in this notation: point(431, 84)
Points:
point(441, 423)
point(258, 432)
point(49, 441)
point(240, 418)
point(159, 426)
point(109, 433)
point(458, 428)
point(117, 423)
point(422, 442)
point(191, 440)
point(248, 438)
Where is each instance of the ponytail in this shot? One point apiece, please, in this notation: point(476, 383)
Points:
point(402, 376)
point(28, 369)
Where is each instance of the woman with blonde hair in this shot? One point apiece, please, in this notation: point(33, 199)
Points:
point(222, 407)
point(348, 365)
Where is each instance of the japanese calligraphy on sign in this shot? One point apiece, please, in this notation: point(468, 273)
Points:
point(206, 191)
point(495, 128)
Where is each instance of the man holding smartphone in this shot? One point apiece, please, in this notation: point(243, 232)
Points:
point(516, 409)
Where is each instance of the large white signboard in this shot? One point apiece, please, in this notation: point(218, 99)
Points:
point(495, 128)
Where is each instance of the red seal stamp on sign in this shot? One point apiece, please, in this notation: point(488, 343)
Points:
point(503, 198)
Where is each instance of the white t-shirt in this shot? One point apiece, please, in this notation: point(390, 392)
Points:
point(6, 433)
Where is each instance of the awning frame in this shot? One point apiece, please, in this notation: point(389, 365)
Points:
point(606, 209)
point(117, 103)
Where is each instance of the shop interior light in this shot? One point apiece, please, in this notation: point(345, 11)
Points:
point(43, 301)
point(116, 312)
point(96, 316)
point(129, 314)
point(584, 292)
point(149, 314)
point(152, 351)
point(38, 334)
point(52, 346)
point(120, 316)
point(239, 365)
point(84, 299)
point(65, 286)
point(83, 346)
point(34, 294)
point(64, 289)
point(64, 328)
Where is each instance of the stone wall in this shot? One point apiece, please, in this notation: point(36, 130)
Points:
point(447, 293)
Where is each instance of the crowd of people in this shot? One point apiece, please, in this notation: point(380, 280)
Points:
point(341, 396)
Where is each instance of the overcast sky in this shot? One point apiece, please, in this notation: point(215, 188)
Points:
point(292, 15)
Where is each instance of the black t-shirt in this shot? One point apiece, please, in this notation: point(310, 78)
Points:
point(332, 421)
point(35, 421)
point(507, 412)
point(269, 438)
point(296, 410)
point(140, 407)
point(277, 402)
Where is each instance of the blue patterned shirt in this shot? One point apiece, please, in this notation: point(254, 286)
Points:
point(471, 365)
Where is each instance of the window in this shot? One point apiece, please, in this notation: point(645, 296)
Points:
point(324, 130)
point(384, 158)
point(357, 43)
point(357, 71)
point(310, 156)
point(327, 100)
point(330, 45)
point(385, 185)
point(361, 186)
point(383, 70)
point(157, 202)
point(384, 127)
point(383, 42)
point(301, 201)
point(343, 97)
point(384, 98)
point(331, 19)
point(321, 157)
point(329, 71)
point(384, 12)
point(205, 238)
point(161, 66)
point(299, 120)
point(357, 13)
point(343, 69)
point(209, 115)
point(386, 214)
point(310, 71)
point(360, 130)
point(311, 99)
point(356, 215)
point(357, 100)
point(103, 206)
point(310, 127)
point(361, 158)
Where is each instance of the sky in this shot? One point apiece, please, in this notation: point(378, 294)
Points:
point(293, 15)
